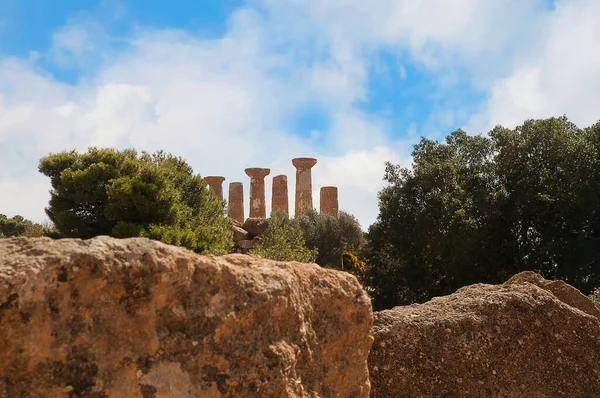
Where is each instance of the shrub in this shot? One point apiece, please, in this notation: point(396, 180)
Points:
point(283, 241)
point(331, 236)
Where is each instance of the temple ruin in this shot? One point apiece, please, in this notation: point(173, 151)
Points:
point(279, 195)
point(257, 192)
point(215, 183)
point(329, 201)
point(235, 205)
point(303, 183)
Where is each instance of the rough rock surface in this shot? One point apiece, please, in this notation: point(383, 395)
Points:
point(256, 226)
point(138, 318)
point(511, 340)
point(563, 291)
point(239, 233)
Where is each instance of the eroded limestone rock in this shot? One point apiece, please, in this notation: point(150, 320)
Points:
point(138, 318)
point(239, 233)
point(256, 226)
point(511, 340)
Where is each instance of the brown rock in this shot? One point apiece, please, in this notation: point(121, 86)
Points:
point(256, 226)
point(138, 318)
point(245, 244)
point(563, 291)
point(239, 233)
point(512, 340)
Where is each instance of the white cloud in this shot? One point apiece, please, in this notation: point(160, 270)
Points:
point(225, 104)
point(220, 104)
point(563, 77)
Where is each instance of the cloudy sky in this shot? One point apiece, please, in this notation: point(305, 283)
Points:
point(234, 84)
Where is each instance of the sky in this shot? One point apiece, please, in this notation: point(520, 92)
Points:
point(230, 84)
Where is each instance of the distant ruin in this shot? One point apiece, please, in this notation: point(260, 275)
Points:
point(279, 195)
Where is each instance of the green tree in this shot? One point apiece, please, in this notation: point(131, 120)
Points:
point(283, 241)
point(481, 208)
point(331, 236)
point(19, 226)
point(121, 194)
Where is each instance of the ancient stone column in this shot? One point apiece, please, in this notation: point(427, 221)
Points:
point(303, 183)
point(257, 192)
point(215, 183)
point(235, 206)
point(329, 201)
point(279, 197)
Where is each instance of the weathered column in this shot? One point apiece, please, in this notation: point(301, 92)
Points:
point(329, 201)
point(303, 183)
point(215, 183)
point(257, 192)
point(235, 206)
point(279, 197)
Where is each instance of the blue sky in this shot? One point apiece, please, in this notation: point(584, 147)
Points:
point(233, 84)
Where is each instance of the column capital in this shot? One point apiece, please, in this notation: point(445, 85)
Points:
point(304, 163)
point(214, 180)
point(215, 183)
point(257, 172)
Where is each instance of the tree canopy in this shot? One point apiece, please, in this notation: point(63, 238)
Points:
point(123, 194)
point(481, 208)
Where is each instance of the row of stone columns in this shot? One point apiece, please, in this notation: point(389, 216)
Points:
point(279, 200)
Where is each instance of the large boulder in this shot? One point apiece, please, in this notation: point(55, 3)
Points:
point(511, 340)
point(239, 233)
point(256, 226)
point(137, 318)
point(563, 291)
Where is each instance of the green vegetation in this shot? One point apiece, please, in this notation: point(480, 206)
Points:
point(121, 194)
point(19, 226)
point(471, 209)
point(331, 236)
point(482, 208)
point(283, 241)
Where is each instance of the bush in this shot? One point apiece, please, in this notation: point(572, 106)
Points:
point(331, 236)
point(121, 194)
point(283, 241)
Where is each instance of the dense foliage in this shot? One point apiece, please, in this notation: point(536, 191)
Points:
point(121, 194)
point(283, 241)
point(19, 226)
point(331, 236)
point(481, 208)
